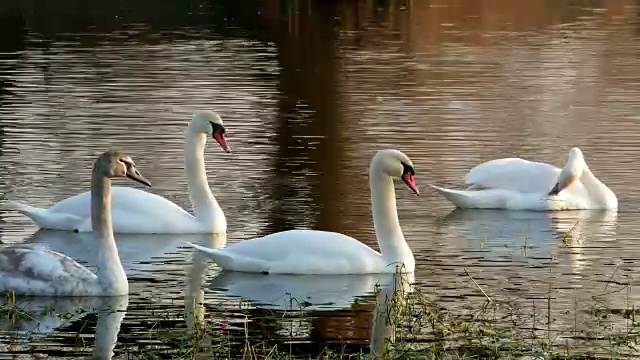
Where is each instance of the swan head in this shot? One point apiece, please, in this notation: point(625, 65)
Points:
point(113, 164)
point(571, 171)
point(394, 163)
point(210, 123)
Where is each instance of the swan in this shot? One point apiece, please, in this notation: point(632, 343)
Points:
point(322, 252)
point(36, 271)
point(517, 184)
point(139, 212)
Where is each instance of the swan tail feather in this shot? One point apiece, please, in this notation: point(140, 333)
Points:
point(204, 249)
point(233, 262)
point(43, 217)
point(17, 206)
point(459, 198)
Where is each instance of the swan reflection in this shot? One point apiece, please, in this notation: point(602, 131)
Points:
point(194, 310)
point(537, 233)
point(298, 292)
point(389, 300)
point(38, 316)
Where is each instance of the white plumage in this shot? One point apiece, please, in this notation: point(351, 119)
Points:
point(518, 184)
point(322, 252)
point(136, 211)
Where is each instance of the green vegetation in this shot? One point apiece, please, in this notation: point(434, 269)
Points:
point(414, 327)
point(407, 325)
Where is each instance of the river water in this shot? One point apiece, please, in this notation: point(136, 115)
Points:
point(308, 91)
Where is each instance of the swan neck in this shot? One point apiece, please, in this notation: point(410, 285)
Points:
point(598, 190)
point(109, 268)
point(202, 200)
point(589, 179)
point(101, 206)
point(393, 246)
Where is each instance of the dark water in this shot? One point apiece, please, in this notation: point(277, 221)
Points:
point(309, 90)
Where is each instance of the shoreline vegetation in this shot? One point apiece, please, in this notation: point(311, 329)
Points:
point(405, 324)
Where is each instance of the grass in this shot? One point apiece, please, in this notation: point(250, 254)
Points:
point(414, 327)
point(411, 326)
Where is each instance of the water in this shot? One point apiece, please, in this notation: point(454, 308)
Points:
point(308, 93)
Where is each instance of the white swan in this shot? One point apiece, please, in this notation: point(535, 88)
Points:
point(139, 212)
point(322, 252)
point(35, 271)
point(517, 184)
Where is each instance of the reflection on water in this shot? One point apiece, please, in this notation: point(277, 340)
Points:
point(526, 246)
point(390, 300)
point(289, 292)
point(533, 234)
point(309, 90)
point(35, 317)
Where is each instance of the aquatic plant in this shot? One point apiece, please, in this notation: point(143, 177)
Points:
point(417, 327)
point(413, 327)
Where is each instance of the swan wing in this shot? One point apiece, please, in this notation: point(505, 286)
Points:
point(133, 211)
point(300, 252)
point(32, 270)
point(232, 261)
point(513, 174)
point(122, 199)
point(513, 200)
point(46, 219)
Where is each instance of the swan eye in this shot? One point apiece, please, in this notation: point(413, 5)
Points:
point(127, 163)
point(217, 128)
point(407, 169)
point(407, 176)
point(218, 135)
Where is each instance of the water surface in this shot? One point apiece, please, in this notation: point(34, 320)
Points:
point(309, 92)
